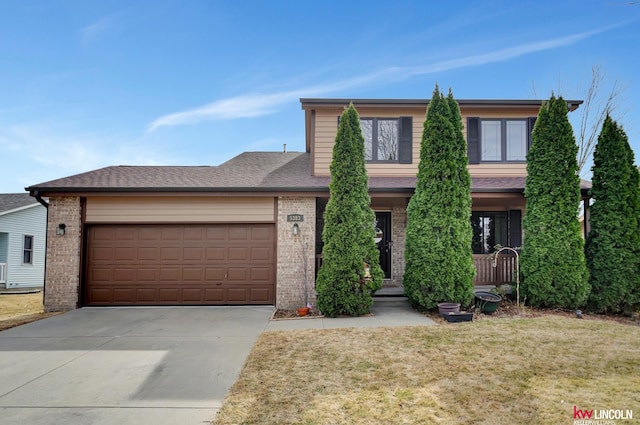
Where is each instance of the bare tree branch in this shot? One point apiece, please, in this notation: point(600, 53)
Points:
point(595, 108)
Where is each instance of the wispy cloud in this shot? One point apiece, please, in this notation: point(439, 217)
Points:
point(259, 104)
point(37, 152)
point(98, 28)
point(503, 54)
point(255, 105)
point(45, 145)
point(244, 106)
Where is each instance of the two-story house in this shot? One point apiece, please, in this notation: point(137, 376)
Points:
point(249, 230)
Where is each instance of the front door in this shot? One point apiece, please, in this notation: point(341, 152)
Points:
point(383, 222)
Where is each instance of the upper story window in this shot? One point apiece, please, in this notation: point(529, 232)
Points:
point(381, 136)
point(498, 140)
point(27, 250)
point(387, 139)
point(503, 140)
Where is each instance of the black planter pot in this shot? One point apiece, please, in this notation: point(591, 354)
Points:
point(487, 302)
point(462, 316)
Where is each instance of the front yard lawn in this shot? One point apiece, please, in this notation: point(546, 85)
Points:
point(508, 371)
point(19, 309)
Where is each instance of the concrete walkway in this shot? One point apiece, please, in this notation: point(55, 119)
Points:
point(160, 366)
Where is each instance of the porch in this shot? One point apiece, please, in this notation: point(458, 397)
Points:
point(4, 254)
point(488, 275)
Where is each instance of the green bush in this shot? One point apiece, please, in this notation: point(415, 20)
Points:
point(613, 244)
point(349, 231)
point(553, 266)
point(439, 260)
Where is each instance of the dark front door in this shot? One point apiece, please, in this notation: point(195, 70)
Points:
point(383, 220)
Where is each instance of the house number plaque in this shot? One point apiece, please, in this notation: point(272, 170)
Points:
point(295, 217)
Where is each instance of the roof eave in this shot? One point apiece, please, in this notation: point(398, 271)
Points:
point(311, 189)
point(88, 190)
point(572, 104)
point(24, 207)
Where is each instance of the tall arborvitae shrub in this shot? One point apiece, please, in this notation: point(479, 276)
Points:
point(553, 266)
point(613, 244)
point(439, 261)
point(343, 286)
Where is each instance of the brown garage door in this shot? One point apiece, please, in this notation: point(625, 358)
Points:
point(180, 264)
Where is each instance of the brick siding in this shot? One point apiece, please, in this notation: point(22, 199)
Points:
point(62, 277)
point(399, 237)
point(292, 251)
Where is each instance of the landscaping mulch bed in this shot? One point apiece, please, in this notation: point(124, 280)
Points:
point(509, 310)
point(281, 314)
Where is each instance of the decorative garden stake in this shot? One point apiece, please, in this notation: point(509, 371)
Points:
point(495, 263)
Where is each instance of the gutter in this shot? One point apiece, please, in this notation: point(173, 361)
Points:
point(82, 191)
point(264, 191)
point(572, 105)
point(36, 194)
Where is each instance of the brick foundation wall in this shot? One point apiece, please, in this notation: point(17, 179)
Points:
point(292, 250)
point(399, 238)
point(62, 277)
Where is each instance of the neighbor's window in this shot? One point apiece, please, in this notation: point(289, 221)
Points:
point(27, 252)
point(381, 139)
point(489, 229)
point(503, 140)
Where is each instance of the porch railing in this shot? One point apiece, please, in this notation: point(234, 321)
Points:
point(486, 274)
point(3, 272)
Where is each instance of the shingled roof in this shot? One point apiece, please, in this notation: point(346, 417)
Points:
point(249, 171)
point(14, 201)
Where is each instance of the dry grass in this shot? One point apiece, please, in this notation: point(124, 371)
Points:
point(19, 309)
point(508, 371)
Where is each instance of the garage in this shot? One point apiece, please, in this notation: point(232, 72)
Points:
point(179, 264)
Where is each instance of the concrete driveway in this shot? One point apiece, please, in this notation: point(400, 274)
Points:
point(125, 365)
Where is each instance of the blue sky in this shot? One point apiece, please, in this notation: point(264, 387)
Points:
point(88, 84)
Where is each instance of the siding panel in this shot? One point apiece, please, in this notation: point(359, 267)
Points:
point(179, 210)
point(516, 169)
point(30, 221)
point(326, 125)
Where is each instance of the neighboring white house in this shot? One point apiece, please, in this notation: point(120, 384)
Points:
point(23, 224)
